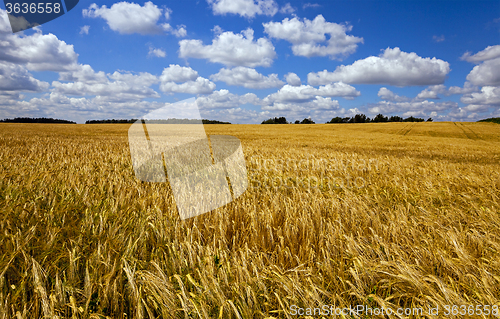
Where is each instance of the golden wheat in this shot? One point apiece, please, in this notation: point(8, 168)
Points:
point(382, 215)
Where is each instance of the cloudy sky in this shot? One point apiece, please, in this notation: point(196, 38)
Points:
point(248, 60)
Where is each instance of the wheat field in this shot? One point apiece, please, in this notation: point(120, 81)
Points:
point(389, 215)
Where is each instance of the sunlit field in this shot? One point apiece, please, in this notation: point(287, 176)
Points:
point(389, 215)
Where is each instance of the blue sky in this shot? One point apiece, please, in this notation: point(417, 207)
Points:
point(247, 60)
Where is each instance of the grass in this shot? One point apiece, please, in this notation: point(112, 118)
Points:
point(80, 237)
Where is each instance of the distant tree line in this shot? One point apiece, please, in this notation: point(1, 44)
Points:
point(166, 121)
point(36, 120)
point(213, 122)
point(305, 121)
point(276, 120)
point(113, 121)
point(282, 120)
point(492, 119)
point(362, 118)
point(358, 118)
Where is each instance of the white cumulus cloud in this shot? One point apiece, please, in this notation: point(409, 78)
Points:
point(117, 86)
point(466, 89)
point(486, 74)
point(392, 67)
point(231, 49)
point(177, 73)
point(80, 108)
point(244, 8)
point(83, 73)
point(234, 115)
point(318, 103)
point(85, 29)
point(38, 52)
point(127, 18)
point(290, 93)
point(334, 89)
point(247, 77)
point(17, 78)
point(178, 79)
point(293, 79)
point(489, 96)
point(4, 22)
point(411, 108)
point(309, 38)
point(304, 93)
point(224, 99)
point(432, 92)
point(491, 52)
point(159, 53)
point(180, 32)
point(287, 9)
point(199, 86)
point(386, 94)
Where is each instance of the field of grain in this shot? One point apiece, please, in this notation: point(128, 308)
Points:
point(393, 215)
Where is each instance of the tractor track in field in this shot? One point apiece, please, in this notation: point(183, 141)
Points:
point(463, 130)
point(411, 127)
point(470, 136)
point(468, 128)
point(400, 131)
